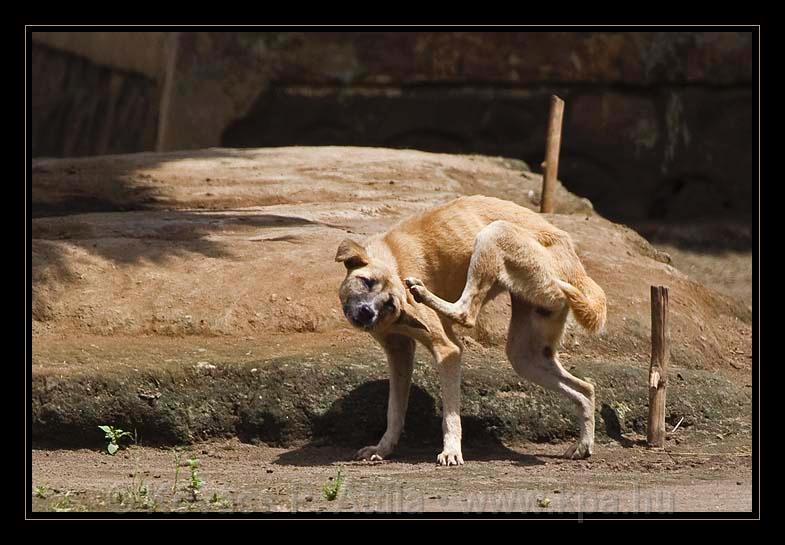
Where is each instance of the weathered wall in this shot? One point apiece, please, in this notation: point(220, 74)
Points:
point(82, 108)
point(657, 125)
point(138, 52)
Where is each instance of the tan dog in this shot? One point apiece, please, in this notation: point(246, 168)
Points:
point(466, 251)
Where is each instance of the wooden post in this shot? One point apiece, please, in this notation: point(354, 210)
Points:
point(171, 45)
point(658, 372)
point(551, 164)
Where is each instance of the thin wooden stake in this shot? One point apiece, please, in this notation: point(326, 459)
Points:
point(551, 164)
point(171, 45)
point(658, 372)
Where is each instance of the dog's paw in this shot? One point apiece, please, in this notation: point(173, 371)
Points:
point(450, 458)
point(579, 451)
point(417, 288)
point(417, 293)
point(372, 453)
point(411, 281)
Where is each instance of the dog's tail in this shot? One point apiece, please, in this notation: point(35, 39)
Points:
point(588, 303)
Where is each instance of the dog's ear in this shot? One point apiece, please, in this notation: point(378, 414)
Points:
point(351, 254)
point(408, 318)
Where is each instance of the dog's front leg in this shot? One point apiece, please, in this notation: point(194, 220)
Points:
point(448, 360)
point(400, 363)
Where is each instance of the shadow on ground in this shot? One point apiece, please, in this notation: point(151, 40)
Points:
point(358, 419)
point(64, 187)
point(705, 236)
point(312, 455)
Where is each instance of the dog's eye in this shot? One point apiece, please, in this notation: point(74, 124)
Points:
point(544, 312)
point(369, 282)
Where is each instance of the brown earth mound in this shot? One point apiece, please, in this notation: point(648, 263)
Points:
point(240, 243)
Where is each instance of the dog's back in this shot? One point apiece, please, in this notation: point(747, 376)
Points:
point(440, 241)
point(436, 246)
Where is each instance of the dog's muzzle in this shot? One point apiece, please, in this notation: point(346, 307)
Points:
point(362, 315)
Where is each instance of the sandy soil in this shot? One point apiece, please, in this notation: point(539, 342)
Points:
point(529, 477)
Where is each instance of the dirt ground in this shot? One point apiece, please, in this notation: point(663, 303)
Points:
point(729, 272)
point(521, 478)
point(118, 283)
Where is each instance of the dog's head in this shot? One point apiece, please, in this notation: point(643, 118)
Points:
point(372, 296)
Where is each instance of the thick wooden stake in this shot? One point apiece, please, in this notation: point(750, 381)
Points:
point(551, 163)
point(658, 372)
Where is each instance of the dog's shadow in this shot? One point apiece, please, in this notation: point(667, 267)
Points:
point(359, 419)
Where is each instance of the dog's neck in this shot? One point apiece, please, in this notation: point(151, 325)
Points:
point(378, 250)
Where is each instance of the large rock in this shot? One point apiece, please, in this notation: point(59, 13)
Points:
point(241, 244)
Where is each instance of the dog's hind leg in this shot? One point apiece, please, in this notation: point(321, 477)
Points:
point(400, 362)
point(502, 253)
point(531, 348)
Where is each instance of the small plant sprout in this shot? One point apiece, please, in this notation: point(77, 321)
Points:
point(40, 492)
point(177, 456)
point(333, 486)
point(62, 505)
point(194, 483)
point(142, 497)
point(113, 436)
point(137, 496)
point(65, 504)
point(219, 501)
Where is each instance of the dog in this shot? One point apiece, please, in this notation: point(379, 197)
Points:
point(399, 285)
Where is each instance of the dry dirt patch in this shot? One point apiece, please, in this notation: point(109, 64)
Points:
point(255, 256)
point(522, 478)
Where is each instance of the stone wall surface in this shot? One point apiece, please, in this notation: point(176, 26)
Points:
point(81, 108)
point(658, 125)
